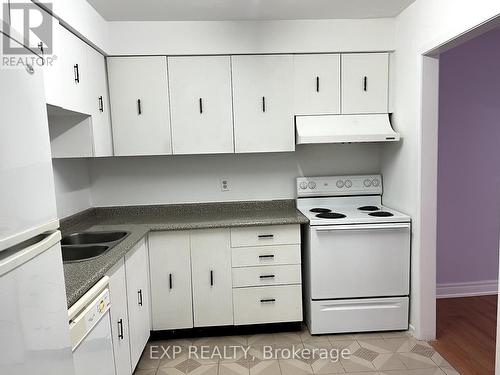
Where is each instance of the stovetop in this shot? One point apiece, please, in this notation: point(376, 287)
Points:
point(348, 210)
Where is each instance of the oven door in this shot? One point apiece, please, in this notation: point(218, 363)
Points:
point(351, 261)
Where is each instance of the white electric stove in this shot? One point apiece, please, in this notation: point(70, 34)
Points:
point(356, 256)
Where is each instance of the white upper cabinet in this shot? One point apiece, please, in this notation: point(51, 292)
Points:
point(365, 83)
point(212, 281)
point(139, 105)
point(170, 272)
point(201, 104)
point(99, 104)
point(317, 84)
point(263, 103)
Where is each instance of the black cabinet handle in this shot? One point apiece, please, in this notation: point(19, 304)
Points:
point(170, 283)
point(317, 84)
point(201, 105)
point(101, 104)
point(120, 329)
point(266, 256)
point(263, 104)
point(365, 83)
point(140, 297)
point(139, 107)
point(266, 235)
point(211, 278)
point(40, 47)
point(267, 276)
point(267, 300)
point(77, 73)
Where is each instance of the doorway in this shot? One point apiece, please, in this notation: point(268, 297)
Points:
point(468, 203)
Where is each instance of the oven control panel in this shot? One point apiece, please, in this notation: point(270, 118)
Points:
point(339, 185)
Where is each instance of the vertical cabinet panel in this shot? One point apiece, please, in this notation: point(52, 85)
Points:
point(99, 104)
point(263, 103)
point(200, 96)
point(119, 319)
point(170, 267)
point(211, 273)
point(139, 105)
point(317, 84)
point(365, 83)
point(136, 269)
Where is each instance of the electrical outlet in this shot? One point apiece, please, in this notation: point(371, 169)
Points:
point(224, 184)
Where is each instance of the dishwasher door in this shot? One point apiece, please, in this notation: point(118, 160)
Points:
point(353, 261)
point(90, 329)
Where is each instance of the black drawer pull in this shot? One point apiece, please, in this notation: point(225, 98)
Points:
point(140, 297)
point(270, 256)
point(317, 84)
point(101, 104)
point(77, 73)
point(170, 283)
point(263, 104)
point(267, 276)
point(139, 107)
point(201, 105)
point(211, 278)
point(266, 235)
point(271, 300)
point(120, 329)
point(365, 83)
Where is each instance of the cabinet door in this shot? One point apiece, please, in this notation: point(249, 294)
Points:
point(119, 319)
point(136, 270)
point(99, 104)
point(170, 268)
point(212, 283)
point(201, 104)
point(365, 83)
point(263, 103)
point(316, 84)
point(75, 77)
point(139, 105)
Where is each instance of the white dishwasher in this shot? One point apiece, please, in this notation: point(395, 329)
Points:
point(90, 330)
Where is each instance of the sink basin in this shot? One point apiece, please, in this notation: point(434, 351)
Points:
point(85, 238)
point(82, 252)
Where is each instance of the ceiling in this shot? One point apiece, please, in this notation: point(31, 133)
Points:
point(218, 10)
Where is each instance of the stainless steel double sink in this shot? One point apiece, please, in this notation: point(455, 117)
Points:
point(82, 246)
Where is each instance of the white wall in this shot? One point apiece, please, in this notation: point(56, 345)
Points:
point(72, 184)
point(425, 25)
point(240, 37)
point(187, 179)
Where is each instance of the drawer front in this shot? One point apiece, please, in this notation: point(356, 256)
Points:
point(272, 304)
point(266, 255)
point(358, 315)
point(266, 275)
point(265, 235)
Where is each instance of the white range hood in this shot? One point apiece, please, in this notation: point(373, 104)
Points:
point(344, 129)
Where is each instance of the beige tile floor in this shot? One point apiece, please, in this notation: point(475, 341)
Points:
point(391, 353)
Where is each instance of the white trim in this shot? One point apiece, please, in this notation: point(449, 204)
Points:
point(468, 289)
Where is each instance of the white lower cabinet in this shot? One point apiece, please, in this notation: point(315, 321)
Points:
point(119, 319)
point(211, 273)
point(170, 268)
point(137, 276)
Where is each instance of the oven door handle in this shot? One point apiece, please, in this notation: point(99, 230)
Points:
point(332, 228)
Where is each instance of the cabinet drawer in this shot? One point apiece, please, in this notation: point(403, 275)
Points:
point(266, 275)
point(272, 304)
point(265, 235)
point(266, 255)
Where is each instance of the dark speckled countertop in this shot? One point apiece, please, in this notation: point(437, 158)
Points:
point(139, 220)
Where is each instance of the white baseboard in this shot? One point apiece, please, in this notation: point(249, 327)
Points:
point(470, 289)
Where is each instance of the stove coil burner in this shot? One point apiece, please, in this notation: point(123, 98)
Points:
point(331, 215)
point(369, 208)
point(320, 210)
point(381, 214)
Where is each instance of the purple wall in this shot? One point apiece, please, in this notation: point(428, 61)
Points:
point(469, 161)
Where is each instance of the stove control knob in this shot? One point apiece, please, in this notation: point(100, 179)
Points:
point(340, 184)
point(376, 182)
point(303, 185)
point(367, 183)
point(348, 183)
point(312, 185)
